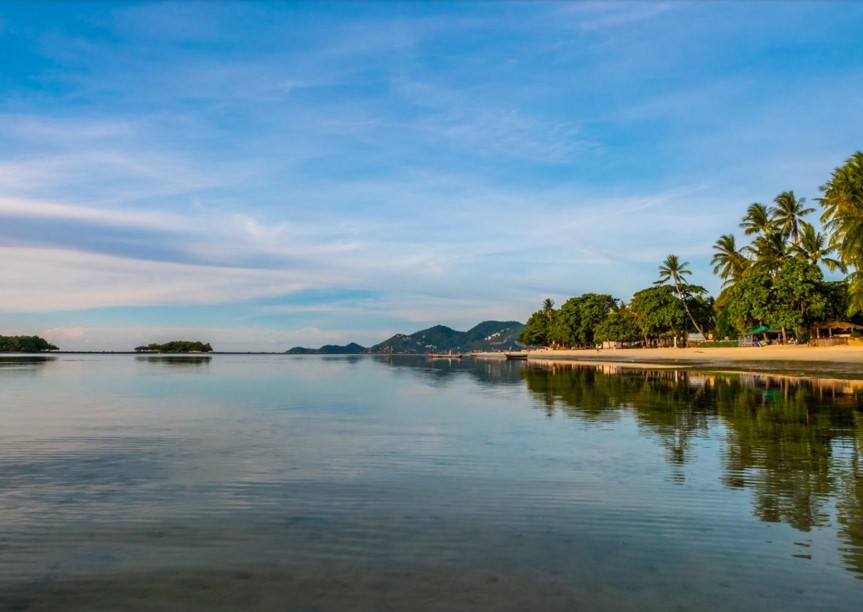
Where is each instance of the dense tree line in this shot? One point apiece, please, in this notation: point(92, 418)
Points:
point(776, 280)
point(25, 344)
point(176, 346)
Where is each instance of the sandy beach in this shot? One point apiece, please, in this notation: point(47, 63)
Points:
point(834, 360)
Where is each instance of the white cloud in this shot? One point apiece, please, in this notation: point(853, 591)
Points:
point(45, 280)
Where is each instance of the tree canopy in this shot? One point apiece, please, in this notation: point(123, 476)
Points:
point(176, 346)
point(25, 344)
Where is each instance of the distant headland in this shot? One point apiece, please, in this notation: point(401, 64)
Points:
point(25, 344)
point(488, 336)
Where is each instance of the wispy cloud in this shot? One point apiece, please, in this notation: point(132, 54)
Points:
point(452, 165)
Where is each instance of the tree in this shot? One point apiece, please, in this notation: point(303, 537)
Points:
point(728, 261)
point(769, 252)
point(748, 303)
point(536, 330)
point(657, 312)
point(787, 214)
point(756, 220)
point(843, 217)
point(176, 346)
point(576, 321)
point(799, 296)
point(25, 344)
point(673, 270)
point(814, 249)
point(620, 326)
point(548, 308)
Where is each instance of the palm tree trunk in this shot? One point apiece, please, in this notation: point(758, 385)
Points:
point(686, 308)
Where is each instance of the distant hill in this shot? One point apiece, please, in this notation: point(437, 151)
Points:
point(329, 349)
point(487, 336)
point(25, 344)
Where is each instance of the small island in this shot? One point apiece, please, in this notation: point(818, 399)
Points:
point(25, 344)
point(176, 346)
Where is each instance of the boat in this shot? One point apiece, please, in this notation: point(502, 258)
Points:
point(516, 356)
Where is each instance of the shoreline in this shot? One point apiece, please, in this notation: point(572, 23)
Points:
point(842, 361)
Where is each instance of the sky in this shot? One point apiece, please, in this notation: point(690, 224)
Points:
point(265, 175)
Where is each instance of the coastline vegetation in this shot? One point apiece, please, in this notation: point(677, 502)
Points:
point(176, 346)
point(776, 281)
point(25, 344)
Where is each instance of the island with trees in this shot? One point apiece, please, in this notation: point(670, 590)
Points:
point(25, 344)
point(176, 346)
point(775, 282)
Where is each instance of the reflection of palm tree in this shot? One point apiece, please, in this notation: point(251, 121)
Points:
point(787, 215)
point(757, 220)
point(673, 270)
point(813, 248)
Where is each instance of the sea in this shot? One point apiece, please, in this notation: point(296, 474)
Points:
point(279, 482)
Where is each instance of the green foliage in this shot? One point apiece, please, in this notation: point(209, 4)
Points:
point(620, 326)
point(799, 296)
point(748, 302)
point(25, 344)
point(658, 312)
point(536, 330)
point(843, 217)
point(575, 323)
point(796, 297)
point(176, 346)
point(723, 325)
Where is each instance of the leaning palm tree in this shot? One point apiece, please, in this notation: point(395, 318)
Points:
point(728, 262)
point(673, 270)
point(757, 220)
point(787, 215)
point(814, 249)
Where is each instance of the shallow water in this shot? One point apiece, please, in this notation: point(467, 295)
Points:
point(333, 483)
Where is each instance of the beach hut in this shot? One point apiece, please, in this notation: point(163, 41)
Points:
point(831, 333)
point(750, 338)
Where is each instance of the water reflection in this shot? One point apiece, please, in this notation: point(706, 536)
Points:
point(176, 361)
point(24, 362)
point(487, 371)
point(795, 444)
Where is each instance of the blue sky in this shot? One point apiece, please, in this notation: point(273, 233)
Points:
point(262, 175)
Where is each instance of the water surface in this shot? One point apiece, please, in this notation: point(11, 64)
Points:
point(332, 483)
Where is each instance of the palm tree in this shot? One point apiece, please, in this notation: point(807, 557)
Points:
point(768, 252)
point(548, 308)
point(843, 209)
point(757, 220)
point(673, 270)
point(814, 249)
point(787, 215)
point(728, 262)
point(843, 216)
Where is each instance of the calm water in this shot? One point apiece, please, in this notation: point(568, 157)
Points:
point(315, 483)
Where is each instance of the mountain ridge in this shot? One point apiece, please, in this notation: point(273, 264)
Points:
point(485, 336)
